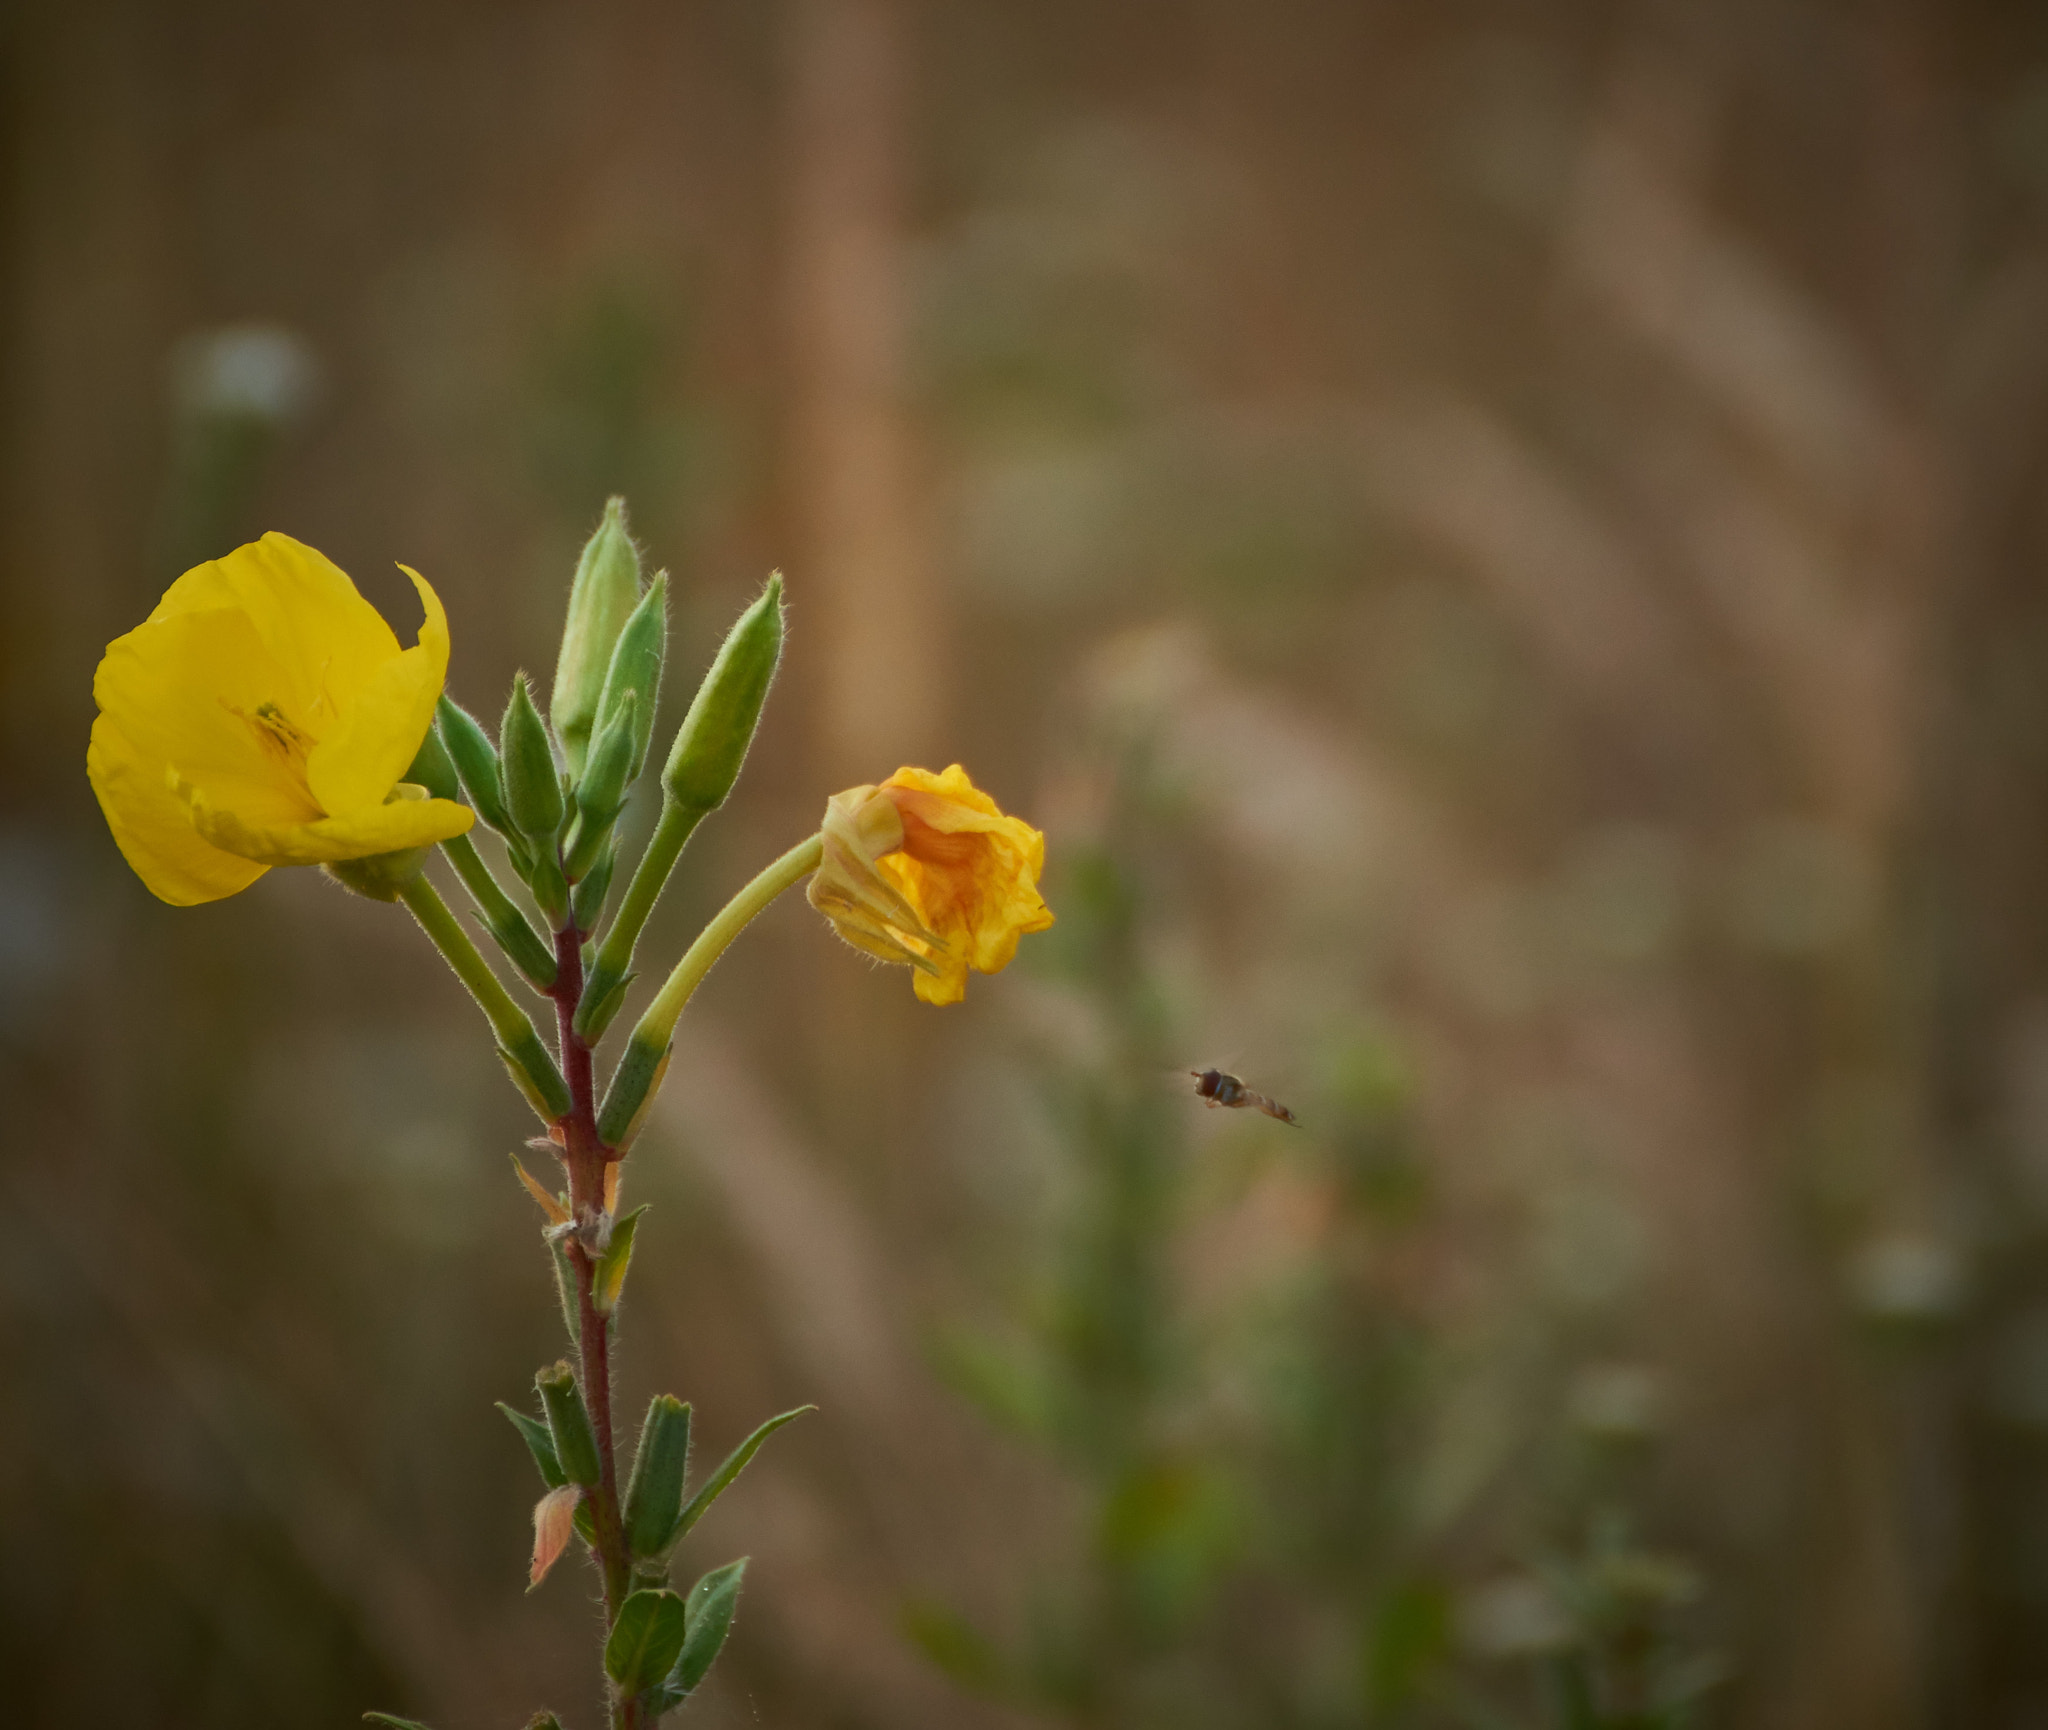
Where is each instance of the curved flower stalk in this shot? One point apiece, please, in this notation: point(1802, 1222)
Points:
point(265, 715)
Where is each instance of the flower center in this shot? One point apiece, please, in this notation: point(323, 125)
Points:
point(281, 740)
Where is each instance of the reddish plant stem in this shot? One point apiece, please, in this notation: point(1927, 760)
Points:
point(584, 1153)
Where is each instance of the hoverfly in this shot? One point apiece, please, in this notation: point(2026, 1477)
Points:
point(1217, 1088)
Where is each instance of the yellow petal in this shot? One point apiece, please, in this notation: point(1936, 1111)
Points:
point(385, 829)
point(199, 691)
point(379, 730)
point(153, 829)
point(326, 639)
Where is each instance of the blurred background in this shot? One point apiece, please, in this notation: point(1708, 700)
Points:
point(1502, 542)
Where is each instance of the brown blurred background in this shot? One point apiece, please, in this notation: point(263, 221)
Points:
point(1502, 543)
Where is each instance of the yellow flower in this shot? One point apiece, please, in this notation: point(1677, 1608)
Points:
point(926, 871)
point(261, 716)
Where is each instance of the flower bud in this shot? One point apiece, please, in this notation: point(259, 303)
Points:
point(476, 763)
point(601, 599)
point(602, 790)
point(526, 768)
point(433, 769)
point(654, 1494)
point(569, 1424)
point(705, 760)
point(635, 670)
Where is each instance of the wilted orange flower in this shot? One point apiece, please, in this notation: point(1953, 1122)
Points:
point(925, 870)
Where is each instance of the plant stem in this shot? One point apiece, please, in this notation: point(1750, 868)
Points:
point(584, 1154)
point(657, 1026)
point(501, 914)
point(513, 1026)
point(615, 958)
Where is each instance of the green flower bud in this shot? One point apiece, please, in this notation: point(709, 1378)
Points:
point(476, 763)
point(526, 768)
point(569, 1424)
point(654, 1494)
point(602, 790)
point(705, 760)
point(433, 769)
point(602, 598)
point(635, 669)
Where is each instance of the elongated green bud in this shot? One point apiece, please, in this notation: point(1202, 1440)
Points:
point(601, 599)
point(602, 789)
point(476, 763)
point(654, 1494)
point(569, 1424)
point(526, 767)
point(705, 760)
point(635, 669)
point(433, 769)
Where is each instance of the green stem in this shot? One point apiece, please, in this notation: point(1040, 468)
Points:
point(640, 1064)
point(614, 963)
point(501, 915)
point(659, 1023)
point(517, 1040)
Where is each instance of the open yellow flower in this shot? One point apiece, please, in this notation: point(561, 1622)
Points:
point(261, 716)
point(927, 871)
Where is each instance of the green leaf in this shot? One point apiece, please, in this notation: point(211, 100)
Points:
point(391, 1723)
point(539, 1444)
point(646, 1640)
point(609, 1279)
point(734, 1464)
point(712, 1602)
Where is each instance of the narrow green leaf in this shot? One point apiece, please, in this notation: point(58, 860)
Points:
point(539, 1444)
point(646, 1640)
point(391, 1723)
point(609, 1280)
point(735, 1463)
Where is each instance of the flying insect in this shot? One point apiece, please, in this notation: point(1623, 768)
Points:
point(1215, 1087)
